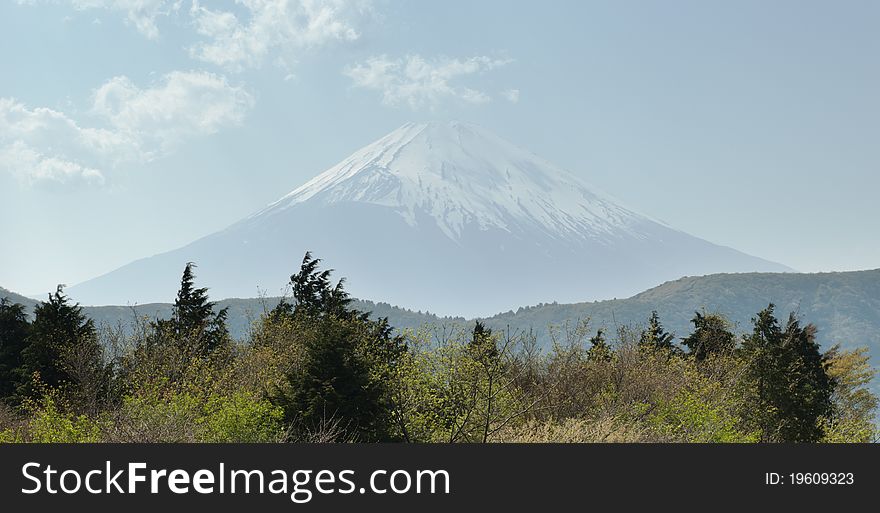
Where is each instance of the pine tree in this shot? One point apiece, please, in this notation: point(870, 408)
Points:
point(655, 337)
point(808, 399)
point(58, 328)
point(711, 336)
point(348, 359)
point(789, 385)
point(483, 345)
point(600, 350)
point(14, 328)
point(334, 384)
point(193, 324)
point(763, 348)
point(314, 293)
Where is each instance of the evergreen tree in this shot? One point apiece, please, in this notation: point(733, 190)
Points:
point(762, 349)
point(789, 385)
point(600, 350)
point(348, 359)
point(483, 346)
point(58, 328)
point(655, 337)
point(314, 293)
point(14, 328)
point(711, 336)
point(193, 324)
point(807, 402)
point(334, 384)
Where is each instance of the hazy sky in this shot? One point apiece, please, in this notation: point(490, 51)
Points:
point(131, 127)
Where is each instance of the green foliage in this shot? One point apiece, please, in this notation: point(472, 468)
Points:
point(690, 417)
point(49, 423)
point(334, 383)
point(315, 295)
point(711, 336)
point(14, 328)
point(62, 347)
point(317, 369)
point(347, 360)
point(786, 379)
point(193, 325)
point(241, 418)
point(854, 406)
point(656, 338)
point(599, 351)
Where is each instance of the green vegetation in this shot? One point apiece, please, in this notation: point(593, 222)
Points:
point(315, 367)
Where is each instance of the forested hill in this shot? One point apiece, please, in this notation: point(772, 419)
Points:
point(845, 306)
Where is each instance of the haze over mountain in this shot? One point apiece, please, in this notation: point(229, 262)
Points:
point(441, 216)
point(845, 306)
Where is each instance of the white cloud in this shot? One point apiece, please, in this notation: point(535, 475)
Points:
point(418, 82)
point(183, 105)
point(242, 34)
point(135, 125)
point(31, 166)
point(511, 95)
point(283, 28)
point(142, 14)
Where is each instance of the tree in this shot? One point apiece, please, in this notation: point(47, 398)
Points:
point(786, 379)
point(59, 330)
point(314, 293)
point(347, 359)
point(807, 402)
point(600, 350)
point(711, 336)
point(655, 337)
point(483, 346)
point(334, 384)
point(853, 401)
point(193, 323)
point(14, 328)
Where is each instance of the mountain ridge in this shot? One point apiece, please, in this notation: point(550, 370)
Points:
point(845, 305)
point(429, 211)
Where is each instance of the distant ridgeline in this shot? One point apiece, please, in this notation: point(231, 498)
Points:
point(844, 306)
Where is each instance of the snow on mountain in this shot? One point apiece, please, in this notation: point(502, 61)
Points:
point(440, 216)
point(460, 173)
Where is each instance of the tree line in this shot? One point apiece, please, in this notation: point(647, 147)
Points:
point(315, 369)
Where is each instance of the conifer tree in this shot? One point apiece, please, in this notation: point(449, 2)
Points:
point(808, 399)
point(193, 321)
point(58, 327)
point(655, 337)
point(763, 348)
point(600, 350)
point(789, 385)
point(711, 336)
point(483, 345)
point(314, 293)
point(347, 359)
point(14, 328)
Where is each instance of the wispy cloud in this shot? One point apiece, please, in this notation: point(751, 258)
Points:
point(180, 106)
point(244, 33)
point(511, 95)
point(132, 124)
point(279, 29)
point(419, 82)
point(141, 14)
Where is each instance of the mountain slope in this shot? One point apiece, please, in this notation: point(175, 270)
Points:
point(440, 216)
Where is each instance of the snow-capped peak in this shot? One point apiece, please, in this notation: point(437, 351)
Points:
point(461, 174)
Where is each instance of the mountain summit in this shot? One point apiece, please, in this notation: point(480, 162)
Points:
point(440, 216)
point(460, 174)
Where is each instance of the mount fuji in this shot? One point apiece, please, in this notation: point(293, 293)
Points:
point(440, 216)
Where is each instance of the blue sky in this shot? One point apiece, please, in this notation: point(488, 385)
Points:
point(131, 127)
